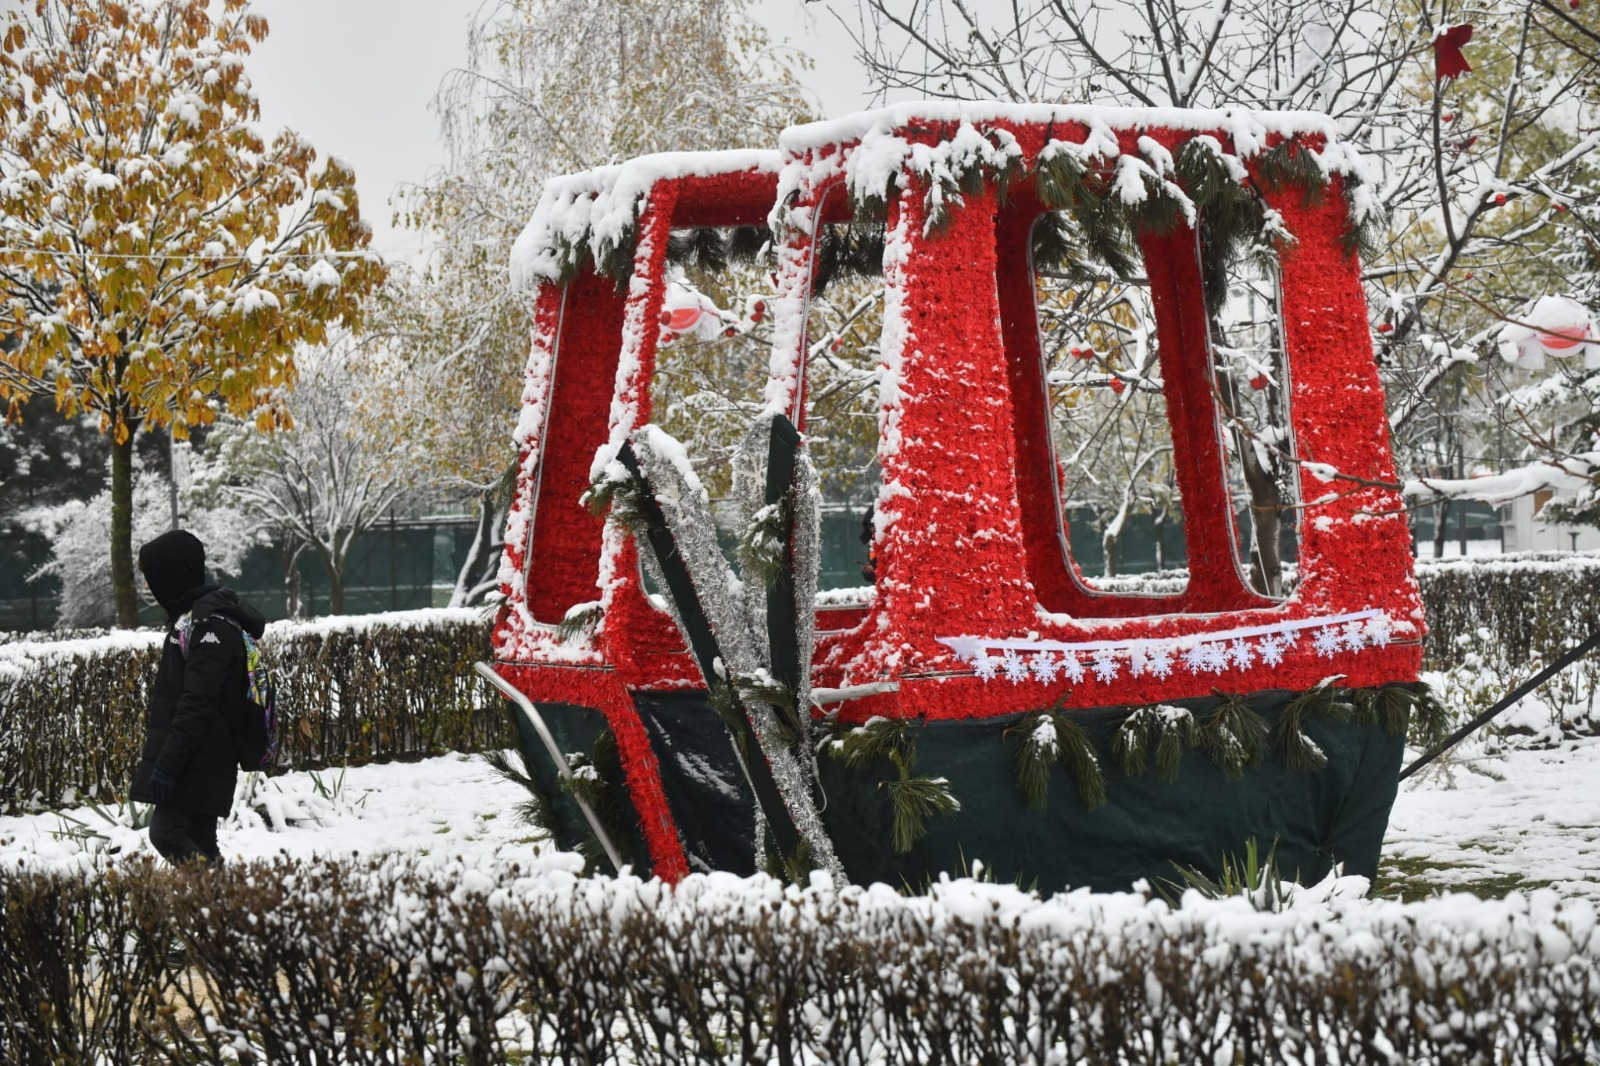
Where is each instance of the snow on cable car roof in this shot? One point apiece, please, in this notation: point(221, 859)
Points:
point(598, 207)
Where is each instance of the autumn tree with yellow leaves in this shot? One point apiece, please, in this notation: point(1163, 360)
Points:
point(159, 260)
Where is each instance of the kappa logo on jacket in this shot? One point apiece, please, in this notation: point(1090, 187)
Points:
point(211, 638)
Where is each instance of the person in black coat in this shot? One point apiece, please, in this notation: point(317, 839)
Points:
point(189, 766)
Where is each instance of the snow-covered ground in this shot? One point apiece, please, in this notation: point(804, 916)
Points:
point(450, 806)
point(1527, 817)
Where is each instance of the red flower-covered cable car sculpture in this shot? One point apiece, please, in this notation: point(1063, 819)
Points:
point(981, 701)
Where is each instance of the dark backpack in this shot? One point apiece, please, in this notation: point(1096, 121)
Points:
point(256, 741)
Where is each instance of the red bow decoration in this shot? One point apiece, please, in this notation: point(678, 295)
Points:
point(1448, 62)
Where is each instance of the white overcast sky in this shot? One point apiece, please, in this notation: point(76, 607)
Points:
point(356, 77)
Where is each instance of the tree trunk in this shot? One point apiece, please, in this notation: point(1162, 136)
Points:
point(1266, 497)
point(468, 578)
point(123, 594)
point(335, 589)
point(293, 605)
point(1441, 520)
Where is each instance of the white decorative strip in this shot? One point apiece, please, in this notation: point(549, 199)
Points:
point(1217, 652)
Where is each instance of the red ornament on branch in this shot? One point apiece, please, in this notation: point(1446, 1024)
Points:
point(1118, 385)
point(1448, 60)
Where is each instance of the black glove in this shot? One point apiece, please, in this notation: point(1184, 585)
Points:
point(161, 787)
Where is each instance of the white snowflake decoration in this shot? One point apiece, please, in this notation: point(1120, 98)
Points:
point(1216, 653)
point(1045, 666)
point(1354, 636)
point(1016, 670)
point(1241, 654)
point(1106, 666)
point(1328, 641)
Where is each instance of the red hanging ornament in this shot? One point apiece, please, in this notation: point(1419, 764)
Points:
point(1258, 382)
point(1118, 385)
point(1561, 209)
point(1385, 327)
point(682, 319)
point(1500, 199)
point(666, 318)
point(1573, 4)
point(1448, 60)
point(730, 332)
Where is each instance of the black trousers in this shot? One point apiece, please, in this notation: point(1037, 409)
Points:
point(182, 837)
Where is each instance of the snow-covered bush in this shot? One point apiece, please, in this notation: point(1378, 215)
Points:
point(402, 960)
point(1494, 621)
point(351, 690)
point(79, 532)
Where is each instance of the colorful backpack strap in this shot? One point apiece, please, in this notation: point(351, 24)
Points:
point(184, 628)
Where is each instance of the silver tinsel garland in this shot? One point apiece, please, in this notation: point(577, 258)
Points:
point(736, 613)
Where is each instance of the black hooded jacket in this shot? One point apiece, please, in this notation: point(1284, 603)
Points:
point(197, 703)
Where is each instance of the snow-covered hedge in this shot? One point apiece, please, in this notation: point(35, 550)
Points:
point(1523, 608)
point(399, 962)
point(351, 690)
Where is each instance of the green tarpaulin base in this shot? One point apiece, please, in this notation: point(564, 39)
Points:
point(1334, 815)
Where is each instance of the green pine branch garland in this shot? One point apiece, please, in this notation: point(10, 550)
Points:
point(1160, 732)
point(764, 542)
point(581, 620)
point(912, 799)
point(764, 688)
point(703, 248)
point(618, 493)
point(723, 700)
point(1298, 751)
point(535, 809)
point(1049, 737)
point(1234, 735)
point(593, 779)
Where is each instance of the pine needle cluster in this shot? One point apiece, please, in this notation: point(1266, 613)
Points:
point(912, 799)
point(1047, 738)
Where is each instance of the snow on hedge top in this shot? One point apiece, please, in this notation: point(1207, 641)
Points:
point(596, 210)
point(20, 657)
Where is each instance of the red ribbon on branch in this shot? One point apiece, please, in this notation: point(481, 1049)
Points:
point(1448, 60)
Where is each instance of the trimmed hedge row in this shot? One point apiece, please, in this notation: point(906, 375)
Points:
point(1532, 606)
point(391, 962)
point(352, 690)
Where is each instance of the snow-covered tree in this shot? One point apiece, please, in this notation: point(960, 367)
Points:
point(551, 87)
point(77, 531)
point(319, 485)
point(159, 260)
